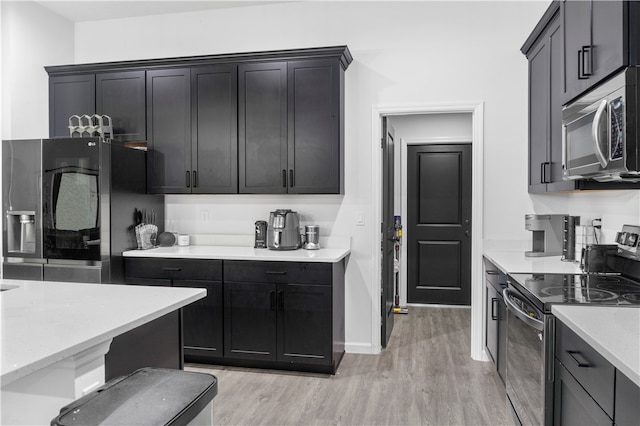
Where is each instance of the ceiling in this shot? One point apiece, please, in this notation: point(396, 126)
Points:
point(86, 10)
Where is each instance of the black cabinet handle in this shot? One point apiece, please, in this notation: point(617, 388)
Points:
point(284, 178)
point(172, 269)
point(195, 179)
point(542, 173)
point(585, 59)
point(493, 309)
point(275, 272)
point(492, 272)
point(291, 178)
point(280, 301)
point(188, 179)
point(272, 297)
point(579, 359)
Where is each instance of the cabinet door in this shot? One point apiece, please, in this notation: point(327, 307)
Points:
point(214, 132)
point(572, 404)
point(262, 128)
point(169, 131)
point(250, 320)
point(609, 39)
point(576, 24)
point(627, 409)
point(202, 320)
point(314, 127)
point(491, 305)
point(70, 95)
point(304, 323)
point(121, 96)
point(538, 115)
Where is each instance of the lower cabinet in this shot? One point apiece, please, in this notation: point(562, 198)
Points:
point(495, 318)
point(282, 315)
point(589, 390)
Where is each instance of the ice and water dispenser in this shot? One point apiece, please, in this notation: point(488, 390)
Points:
point(21, 232)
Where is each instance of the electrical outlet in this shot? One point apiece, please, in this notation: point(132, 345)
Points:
point(360, 218)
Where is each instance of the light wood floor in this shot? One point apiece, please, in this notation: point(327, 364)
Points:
point(425, 376)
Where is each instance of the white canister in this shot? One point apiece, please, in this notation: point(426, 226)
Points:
point(183, 240)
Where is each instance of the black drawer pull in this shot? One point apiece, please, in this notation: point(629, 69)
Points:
point(291, 178)
point(275, 272)
point(188, 179)
point(582, 362)
point(172, 269)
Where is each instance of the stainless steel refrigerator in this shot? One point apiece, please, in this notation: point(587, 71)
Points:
point(89, 190)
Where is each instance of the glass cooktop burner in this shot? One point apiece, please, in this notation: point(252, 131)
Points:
point(579, 294)
point(633, 297)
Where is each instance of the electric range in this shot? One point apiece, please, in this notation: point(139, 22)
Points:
point(544, 290)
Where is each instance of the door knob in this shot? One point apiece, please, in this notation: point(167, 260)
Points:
point(467, 233)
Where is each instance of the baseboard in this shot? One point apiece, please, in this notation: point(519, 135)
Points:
point(360, 348)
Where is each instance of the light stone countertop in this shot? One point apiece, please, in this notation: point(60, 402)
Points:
point(328, 255)
point(511, 262)
point(45, 322)
point(612, 331)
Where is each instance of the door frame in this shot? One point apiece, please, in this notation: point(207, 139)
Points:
point(477, 148)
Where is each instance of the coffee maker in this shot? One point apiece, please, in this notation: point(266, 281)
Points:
point(283, 230)
point(547, 232)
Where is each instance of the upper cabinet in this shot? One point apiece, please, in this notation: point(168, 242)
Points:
point(265, 122)
point(120, 95)
point(600, 37)
point(70, 95)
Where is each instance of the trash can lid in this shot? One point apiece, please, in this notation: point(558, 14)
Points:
point(148, 396)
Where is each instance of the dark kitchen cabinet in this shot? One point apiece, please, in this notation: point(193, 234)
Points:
point(600, 37)
point(545, 110)
point(202, 320)
point(572, 404)
point(288, 312)
point(627, 410)
point(122, 96)
point(70, 95)
point(262, 132)
point(495, 318)
point(169, 131)
point(315, 96)
point(584, 381)
point(214, 131)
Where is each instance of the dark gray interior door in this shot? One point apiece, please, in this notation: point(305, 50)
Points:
point(439, 224)
point(387, 229)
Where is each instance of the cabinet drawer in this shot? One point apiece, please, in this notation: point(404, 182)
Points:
point(591, 370)
point(277, 272)
point(174, 269)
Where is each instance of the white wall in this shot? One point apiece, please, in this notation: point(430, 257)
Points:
point(32, 37)
point(404, 53)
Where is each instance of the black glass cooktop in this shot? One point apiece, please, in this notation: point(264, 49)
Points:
point(545, 290)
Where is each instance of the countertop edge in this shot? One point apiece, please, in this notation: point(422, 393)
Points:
point(327, 255)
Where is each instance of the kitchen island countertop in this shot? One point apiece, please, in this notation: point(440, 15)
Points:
point(45, 322)
point(612, 331)
point(328, 255)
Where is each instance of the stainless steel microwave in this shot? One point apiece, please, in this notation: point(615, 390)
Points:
point(600, 131)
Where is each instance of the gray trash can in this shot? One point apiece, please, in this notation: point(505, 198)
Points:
point(148, 396)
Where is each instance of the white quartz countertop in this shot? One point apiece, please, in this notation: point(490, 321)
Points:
point(44, 322)
point(613, 331)
point(511, 262)
point(330, 255)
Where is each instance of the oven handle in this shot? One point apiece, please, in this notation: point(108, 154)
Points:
point(595, 134)
point(532, 322)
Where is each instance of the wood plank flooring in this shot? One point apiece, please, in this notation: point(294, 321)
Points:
point(425, 376)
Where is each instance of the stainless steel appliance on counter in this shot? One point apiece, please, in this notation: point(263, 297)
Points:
point(531, 326)
point(600, 131)
point(283, 230)
point(547, 234)
point(85, 213)
point(260, 234)
point(311, 237)
point(21, 204)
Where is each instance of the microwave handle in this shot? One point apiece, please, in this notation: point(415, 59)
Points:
point(595, 133)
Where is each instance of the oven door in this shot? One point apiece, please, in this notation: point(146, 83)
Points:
point(526, 380)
